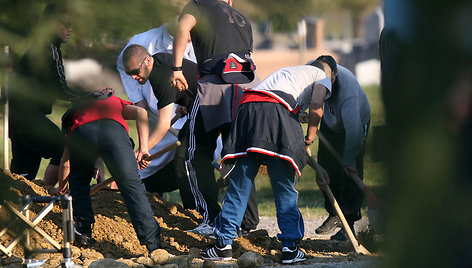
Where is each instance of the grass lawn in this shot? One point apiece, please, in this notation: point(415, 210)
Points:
point(310, 197)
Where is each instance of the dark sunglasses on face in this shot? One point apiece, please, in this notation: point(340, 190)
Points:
point(138, 70)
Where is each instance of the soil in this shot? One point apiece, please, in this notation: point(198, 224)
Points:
point(115, 237)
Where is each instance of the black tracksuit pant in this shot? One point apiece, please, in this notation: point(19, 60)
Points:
point(205, 188)
point(347, 193)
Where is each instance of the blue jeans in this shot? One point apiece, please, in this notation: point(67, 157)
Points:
point(282, 177)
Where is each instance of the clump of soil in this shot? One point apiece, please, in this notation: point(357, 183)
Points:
point(115, 237)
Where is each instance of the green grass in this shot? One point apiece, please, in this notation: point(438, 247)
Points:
point(310, 197)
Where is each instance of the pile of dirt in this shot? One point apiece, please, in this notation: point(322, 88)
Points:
point(115, 237)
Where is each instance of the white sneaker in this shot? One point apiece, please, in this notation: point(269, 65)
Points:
point(203, 229)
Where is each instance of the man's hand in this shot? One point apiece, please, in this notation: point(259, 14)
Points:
point(181, 110)
point(143, 164)
point(177, 80)
point(59, 190)
point(141, 154)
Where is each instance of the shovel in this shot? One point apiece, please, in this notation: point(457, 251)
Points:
point(373, 203)
point(321, 180)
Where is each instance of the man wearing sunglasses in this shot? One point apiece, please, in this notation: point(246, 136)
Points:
point(40, 82)
point(141, 66)
point(170, 165)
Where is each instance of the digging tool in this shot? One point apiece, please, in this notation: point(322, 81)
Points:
point(6, 165)
point(321, 180)
point(372, 201)
point(155, 155)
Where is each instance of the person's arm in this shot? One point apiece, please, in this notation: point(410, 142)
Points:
point(315, 112)
point(133, 112)
point(64, 170)
point(143, 104)
point(162, 125)
point(186, 23)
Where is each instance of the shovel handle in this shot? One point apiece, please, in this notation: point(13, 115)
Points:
point(357, 246)
point(354, 177)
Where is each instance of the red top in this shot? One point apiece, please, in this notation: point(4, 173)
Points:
point(110, 108)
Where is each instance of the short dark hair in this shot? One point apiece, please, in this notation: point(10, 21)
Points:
point(317, 64)
point(330, 61)
point(133, 51)
point(55, 11)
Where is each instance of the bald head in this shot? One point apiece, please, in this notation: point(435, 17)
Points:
point(134, 52)
point(137, 63)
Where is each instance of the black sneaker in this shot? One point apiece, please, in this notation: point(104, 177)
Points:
point(292, 255)
point(341, 235)
point(217, 254)
point(329, 225)
point(82, 239)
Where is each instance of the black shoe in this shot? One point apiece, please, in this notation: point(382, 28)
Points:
point(292, 255)
point(217, 254)
point(82, 239)
point(329, 225)
point(341, 235)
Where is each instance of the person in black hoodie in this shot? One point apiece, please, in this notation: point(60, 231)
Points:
point(40, 82)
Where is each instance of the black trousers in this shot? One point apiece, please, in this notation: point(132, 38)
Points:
point(166, 180)
point(109, 140)
point(33, 137)
point(347, 193)
point(205, 145)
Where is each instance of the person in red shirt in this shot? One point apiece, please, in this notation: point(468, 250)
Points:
point(96, 127)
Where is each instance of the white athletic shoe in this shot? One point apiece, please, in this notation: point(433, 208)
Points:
point(203, 229)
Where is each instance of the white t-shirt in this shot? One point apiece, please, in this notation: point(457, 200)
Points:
point(298, 81)
point(157, 40)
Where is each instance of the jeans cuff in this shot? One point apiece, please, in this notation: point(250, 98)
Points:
point(223, 242)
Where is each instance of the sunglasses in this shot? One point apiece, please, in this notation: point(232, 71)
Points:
point(138, 70)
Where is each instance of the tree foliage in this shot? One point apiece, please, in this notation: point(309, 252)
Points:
point(100, 27)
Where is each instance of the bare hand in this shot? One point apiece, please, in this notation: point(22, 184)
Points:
point(141, 154)
point(59, 191)
point(177, 80)
point(181, 109)
point(143, 164)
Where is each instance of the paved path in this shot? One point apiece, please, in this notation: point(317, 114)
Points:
point(270, 224)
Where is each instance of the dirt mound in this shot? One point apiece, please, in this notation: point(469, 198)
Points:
point(115, 237)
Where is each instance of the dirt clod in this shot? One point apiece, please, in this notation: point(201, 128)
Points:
point(115, 238)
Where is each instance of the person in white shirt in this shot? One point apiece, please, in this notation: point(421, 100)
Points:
point(156, 175)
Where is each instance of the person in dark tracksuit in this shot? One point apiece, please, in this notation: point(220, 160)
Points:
point(222, 40)
point(98, 129)
point(40, 82)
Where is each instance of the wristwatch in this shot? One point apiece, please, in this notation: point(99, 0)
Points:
point(174, 68)
point(307, 143)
